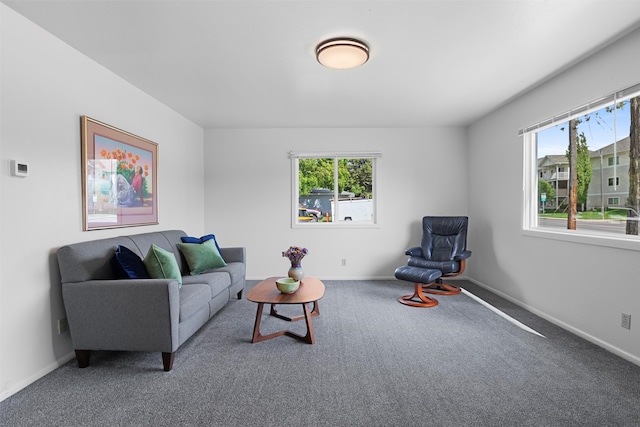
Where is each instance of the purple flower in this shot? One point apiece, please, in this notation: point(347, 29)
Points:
point(295, 253)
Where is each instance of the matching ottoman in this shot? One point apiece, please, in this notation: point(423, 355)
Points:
point(421, 277)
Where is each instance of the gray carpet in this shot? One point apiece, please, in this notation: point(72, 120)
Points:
point(375, 363)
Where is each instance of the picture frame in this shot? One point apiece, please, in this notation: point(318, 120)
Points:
point(119, 177)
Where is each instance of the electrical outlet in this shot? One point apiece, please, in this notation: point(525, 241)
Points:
point(344, 262)
point(63, 326)
point(626, 321)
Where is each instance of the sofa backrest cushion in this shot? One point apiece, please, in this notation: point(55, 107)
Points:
point(91, 260)
point(166, 240)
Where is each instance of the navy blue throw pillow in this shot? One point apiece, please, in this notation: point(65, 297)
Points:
point(127, 265)
point(187, 239)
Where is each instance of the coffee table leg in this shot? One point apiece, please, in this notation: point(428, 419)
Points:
point(309, 338)
point(256, 326)
point(314, 312)
point(257, 337)
point(316, 309)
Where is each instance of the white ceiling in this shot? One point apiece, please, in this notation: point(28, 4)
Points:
point(250, 64)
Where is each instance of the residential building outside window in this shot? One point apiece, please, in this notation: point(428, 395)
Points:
point(607, 183)
point(334, 189)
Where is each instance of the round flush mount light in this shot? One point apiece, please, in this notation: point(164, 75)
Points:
point(342, 53)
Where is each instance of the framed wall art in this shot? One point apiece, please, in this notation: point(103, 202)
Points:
point(119, 177)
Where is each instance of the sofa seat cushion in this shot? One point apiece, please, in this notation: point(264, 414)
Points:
point(192, 299)
point(217, 281)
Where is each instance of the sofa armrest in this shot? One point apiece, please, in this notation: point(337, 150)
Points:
point(128, 315)
point(233, 254)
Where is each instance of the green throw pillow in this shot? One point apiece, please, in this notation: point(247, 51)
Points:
point(201, 256)
point(162, 264)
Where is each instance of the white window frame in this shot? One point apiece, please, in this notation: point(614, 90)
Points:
point(530, 183)
point(295, 185)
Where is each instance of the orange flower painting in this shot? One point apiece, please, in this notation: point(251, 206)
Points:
point(119, 177)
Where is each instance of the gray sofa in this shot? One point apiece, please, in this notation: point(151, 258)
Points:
point(105, 313)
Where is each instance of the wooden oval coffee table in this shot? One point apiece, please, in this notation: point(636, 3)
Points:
point(265, 292)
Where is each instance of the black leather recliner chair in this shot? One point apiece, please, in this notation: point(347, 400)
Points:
point(443, 247)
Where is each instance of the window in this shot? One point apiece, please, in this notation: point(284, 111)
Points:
point(606, 178)
point(334, 189)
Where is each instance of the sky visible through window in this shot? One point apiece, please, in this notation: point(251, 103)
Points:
point(599, 131)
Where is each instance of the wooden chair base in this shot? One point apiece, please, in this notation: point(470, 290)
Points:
point(441, 289)
point(424, 301)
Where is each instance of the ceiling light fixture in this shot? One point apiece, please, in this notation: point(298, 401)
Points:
point(342, 53)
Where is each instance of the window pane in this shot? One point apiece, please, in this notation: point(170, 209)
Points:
point(628, 203)
point(355, 184)
point(322, 181)
point(316, 189)
point(603, 146)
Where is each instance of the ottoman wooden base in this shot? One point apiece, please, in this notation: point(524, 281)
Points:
point(421, 277)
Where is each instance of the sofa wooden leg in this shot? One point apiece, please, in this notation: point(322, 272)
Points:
point(167, 361)
point(82, 356)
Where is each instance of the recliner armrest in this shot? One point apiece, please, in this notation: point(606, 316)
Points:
point(415, 251)
point(462, 255)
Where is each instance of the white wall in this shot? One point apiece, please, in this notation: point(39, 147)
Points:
point(45, 87)
point(248, 196)
point(584, 288)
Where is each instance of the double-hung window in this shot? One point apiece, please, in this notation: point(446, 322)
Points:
point(601, 195)
point(334, 189)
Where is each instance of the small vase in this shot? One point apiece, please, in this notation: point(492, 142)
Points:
point(296, 272)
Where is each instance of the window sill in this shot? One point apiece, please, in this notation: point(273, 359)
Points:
point(606, 240)
point(334, 225)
